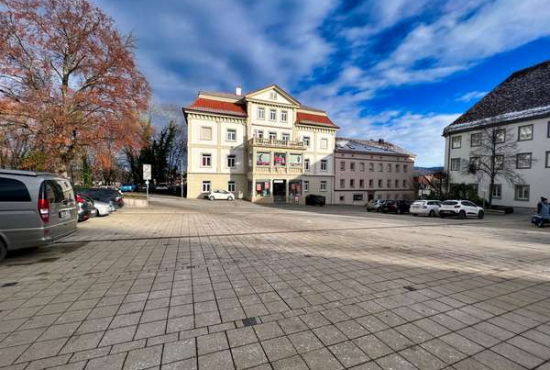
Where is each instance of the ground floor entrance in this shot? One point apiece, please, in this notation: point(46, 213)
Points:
point(279, 191)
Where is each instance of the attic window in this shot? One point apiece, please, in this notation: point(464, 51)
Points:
point(273, 95)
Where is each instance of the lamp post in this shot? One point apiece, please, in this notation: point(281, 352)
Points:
point(181, 178)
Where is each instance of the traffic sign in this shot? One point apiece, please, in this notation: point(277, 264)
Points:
point(146, 172)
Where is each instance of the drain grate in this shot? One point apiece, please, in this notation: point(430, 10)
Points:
point(410, 288)
point(250, 321)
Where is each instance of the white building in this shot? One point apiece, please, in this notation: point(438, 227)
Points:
point(264, 145)
point(519, 111)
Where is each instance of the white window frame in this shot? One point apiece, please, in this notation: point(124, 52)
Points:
point(261, 113)
point(204, 137)
point(286, 137)
point(323, 186)
point(524, 127)
point(284, 116)
point(306, 164)
point(272, 135)
point(273, 115)
point(520, 192)
point(306, 140)
point(324, 165)
point(453, 162)
point(209, 161)
point(231, 135)
point(456, 142)
point(497, 194)
point(324, 143)
point(232, 157)
point(306, 186)
point(206, 186)
point(231, 185)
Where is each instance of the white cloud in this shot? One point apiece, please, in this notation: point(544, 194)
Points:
point(472, 95)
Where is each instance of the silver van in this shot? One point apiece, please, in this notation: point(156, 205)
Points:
point(35, 209)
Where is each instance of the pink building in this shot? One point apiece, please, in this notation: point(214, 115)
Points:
point(367, 170)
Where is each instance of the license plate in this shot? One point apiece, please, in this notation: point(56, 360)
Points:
point(64, 214)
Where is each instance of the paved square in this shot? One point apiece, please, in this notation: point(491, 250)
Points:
point(190, 284)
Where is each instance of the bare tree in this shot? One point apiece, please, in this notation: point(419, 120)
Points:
point(438, 182)
point(494, 155)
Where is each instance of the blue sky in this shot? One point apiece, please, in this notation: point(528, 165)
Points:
point(395, 69)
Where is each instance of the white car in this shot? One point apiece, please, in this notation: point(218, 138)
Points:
point(103, 208)
point(460, 208)
point(428, 208)
point(221, 194)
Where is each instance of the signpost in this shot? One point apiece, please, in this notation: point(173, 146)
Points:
point(147, 177)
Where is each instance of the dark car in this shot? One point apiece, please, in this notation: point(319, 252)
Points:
point(84, 208)
point(106, 195)
point(313, 200)
point(396, 206)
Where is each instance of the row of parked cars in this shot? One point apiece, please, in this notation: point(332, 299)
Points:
point(430, 208)
point(39, 208)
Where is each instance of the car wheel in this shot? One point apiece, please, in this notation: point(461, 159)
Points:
point(480, 215)
point(441, 215)
point(415, 214)
point(211, 198)
point(431, 214)
point(230, 198)
point(462, 215)
point(378, 210)
point(3, 250)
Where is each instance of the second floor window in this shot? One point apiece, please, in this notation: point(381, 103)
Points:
point(272, 136)
point(380, 167)
point(396, 183)
point(259, 134)
point(380, 183)
point(404, 183)
point(206, 133)
point(306, 139)
point(362, 166)
point(272, 115)
point(500, 136)
point(405, 168)
point(342, 166)
point(371, 183)
point(261, 113)
point(231, 135)
point(286, 137)
point(231, 161)
point(342, 183)
point(371, 167)
point(324, 164)
point(323, 186)
point(389, 167)
point(361, 183)
point(523, 160)
point(397, 168)
point(306, 164)
point(455, 164)
point(284, 116)
point(475, 139)
point(456, 142)
point(388, 183)
point(352, 166)
point(206, 160)
point(351, 183)
point(324, 143)
point(525, 133)
point(306, 186)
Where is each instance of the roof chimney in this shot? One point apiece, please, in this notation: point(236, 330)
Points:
point(380, 141)
point(239, 91)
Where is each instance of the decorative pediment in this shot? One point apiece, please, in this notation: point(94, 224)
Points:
point(273, 94)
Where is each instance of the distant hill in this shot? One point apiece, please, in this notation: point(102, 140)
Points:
point(427, 170)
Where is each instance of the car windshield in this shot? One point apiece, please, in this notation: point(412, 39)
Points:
point(449, 203)
point(419, 202)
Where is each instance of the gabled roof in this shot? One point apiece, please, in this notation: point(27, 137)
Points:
point(524, 94)
point(278, 89)
point(303, 118)
point(216, 106)
point(370, 147)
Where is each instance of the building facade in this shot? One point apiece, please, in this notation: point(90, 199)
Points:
point(368, 170)
point(518, 113)
point(264, 146)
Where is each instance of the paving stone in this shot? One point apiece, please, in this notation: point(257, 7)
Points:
point(372, 346)
point(422, 359)
point(82, 342)
point(241, 336)
point(394, 361)
point(41, 350)
point(189, 364)
point(113, 362)
point(321, 359)
point(150, 329)
point(248, 356)
point(212, 343)
point(176, 351)
point(268, 330)
point(278, 348)
point(143, 358)
point(329, 335)
point(305, 341)
point(292, 363)
point(348, 354)
point(119, 335)
point(217, 361)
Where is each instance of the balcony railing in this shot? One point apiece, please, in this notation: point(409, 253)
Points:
point(275, 143)
point(278, 170)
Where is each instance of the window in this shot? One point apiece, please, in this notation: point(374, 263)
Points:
point(352, 183)
point(405, 168)
point(286, 137)
point(280, 159)
point(306, 140)
point(371, 183)
point(231, 186)
point(357, 197)
point(342, 183)
point(259, 134)
point(397, 168)
point(363, 166)
point(371, 167)
point(231, 161)
point(404, 183)
point(13, 191)
point(262, 188)
point(523, 160)
point(323, 186)
point(522, 192)
point(261, 113)
point(547, 159)
point(500, 136)
point(455, 164)
point(499, 162)
point(380, 167)
point(525, 133)
point(361, 183)
point(475, 188)
point(388, 183)
point(389, 167)
point(342, 198)
point(272, 114)
point(324, 164)
point(306, 164)
point(206, 186)
point(206, 133)
point(324, 143)
point(474, 163)
point(396, 183)
point(380, 184)
point(342, 166)
point(206, 160)
point(284, 116)
point(272, 136)
point(475, 139)
point(456, 142)
point(263, 159)
point(306, 186)
point(231, 135)
point(497, 191)
point(273, 95)
point(352, 166)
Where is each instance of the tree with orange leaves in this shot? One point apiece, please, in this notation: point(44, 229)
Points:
point(69, 83)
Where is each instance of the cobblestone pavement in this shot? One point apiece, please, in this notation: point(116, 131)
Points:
point(232, 285)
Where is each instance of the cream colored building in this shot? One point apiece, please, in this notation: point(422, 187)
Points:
point(367, 170)
point(264, 146)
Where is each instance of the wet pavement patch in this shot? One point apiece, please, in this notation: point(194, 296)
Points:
point(250, 321)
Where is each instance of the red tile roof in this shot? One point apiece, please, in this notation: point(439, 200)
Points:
point(314, 119)
point(216, 106)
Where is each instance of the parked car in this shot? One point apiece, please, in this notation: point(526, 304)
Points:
point(91, 204)
point(375, 205)
point(314, 199)
point(104, 208)
point(106, 195)
point(35, 209)
point(127, 188)
point(83, 207)
point(460, 208)
point(221, 194)
point(428, 208)
point(539, 221)
point(396, 206)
